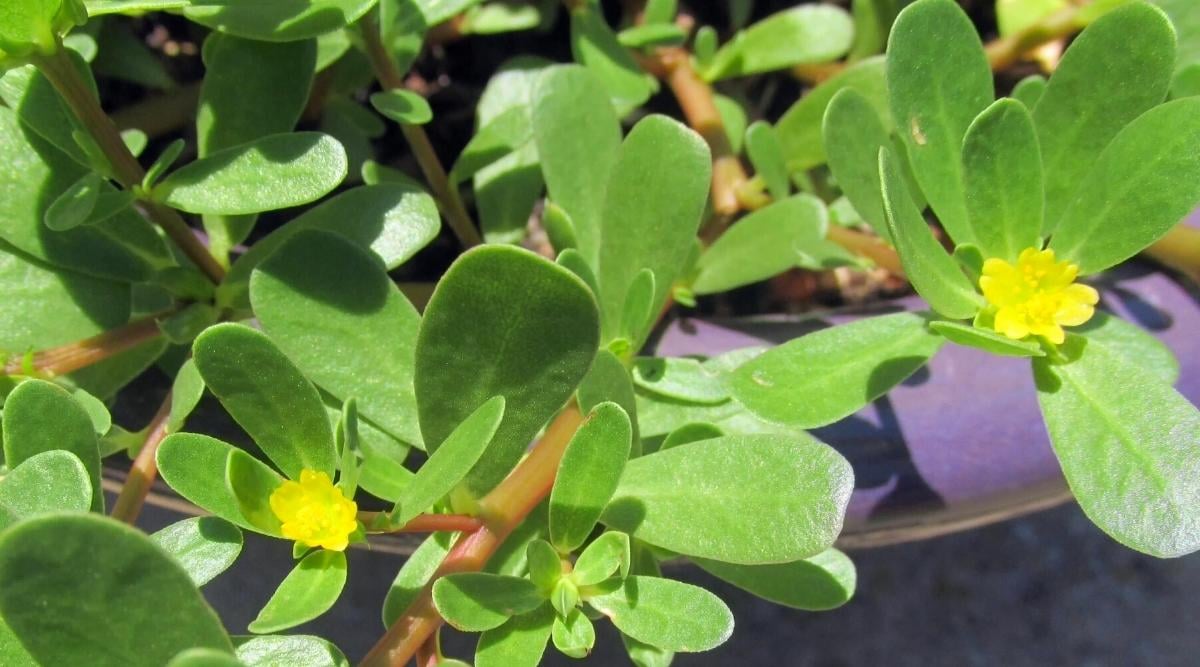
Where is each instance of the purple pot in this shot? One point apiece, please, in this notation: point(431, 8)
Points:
point(961, 443)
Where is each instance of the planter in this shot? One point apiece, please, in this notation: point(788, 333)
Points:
point(955, 447)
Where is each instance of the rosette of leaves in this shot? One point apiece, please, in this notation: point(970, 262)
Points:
point(1091, 177)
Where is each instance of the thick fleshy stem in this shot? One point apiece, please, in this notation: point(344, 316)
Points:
point(501, 510)
point(60, 70)
point(444, 191)
point(81, 354)
point(144, 469)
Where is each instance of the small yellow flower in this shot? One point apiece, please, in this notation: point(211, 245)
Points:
point(1038, 296)
point(314, 512)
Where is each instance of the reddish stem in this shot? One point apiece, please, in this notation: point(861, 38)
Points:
point(144, 469)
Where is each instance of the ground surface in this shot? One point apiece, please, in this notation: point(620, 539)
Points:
point(1045, 590)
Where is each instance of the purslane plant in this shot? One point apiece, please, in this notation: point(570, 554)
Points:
point(557, 467)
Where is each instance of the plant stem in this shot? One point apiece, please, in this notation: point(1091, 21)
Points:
point(144, 469)
point(444, 192)
point(60, 70)
point(867, 245)
point(426, 523)
point(501, 510)
point(674, 66)
point(80, 354)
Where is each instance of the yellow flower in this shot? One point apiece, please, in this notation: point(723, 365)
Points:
point(314, 511)
point(1038, 296)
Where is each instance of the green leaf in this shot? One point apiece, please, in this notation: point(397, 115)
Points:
point(578, 139)
point(402, 106)
point(507, 189)
point(124, 247)
point(29, 25)
point(986, 340)
point(308, 591)
point(595, 46)
point(186, 392)
point(63, 618)
point(1118, 68)
point(637, 314)
point(477, 601)
point(853, 135)
point(764, 499)
point(393, 221)
point(252, 482)
point(680, 377)
point(331, 307)
point(276, 20)
point(194, 466)
point(268, 396)
point(74, 206)
point(821, 377)
point(761, 245)
point(688, 433)
point(797, 36)
point(414, 574)
point(609, 380)
point(451, 461)
point(502, 322)
point(1002, 180)
point(204, 545)
point(204, 657)
point(932, 271)
point(52, 481)
point(667, 614)
point(641, 229)
point(1132, 343)
point(765, 153)
point(44, 112)
point(587, 475)
point(278, 171)
point(40, 417)
point(1028, 91)
point(519, 642)
point(651, 34)
point(938, 81)
point(273, 650)
point(603, 558)
point(232, 100)
point(544, 565)
point(800, 127)
point(1125, 440)
point(1145, 181)
point(821, 582)
point(505, 134)
point(573, 634)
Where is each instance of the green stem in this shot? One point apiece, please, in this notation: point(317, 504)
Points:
point(60, 70)
point(390, 78)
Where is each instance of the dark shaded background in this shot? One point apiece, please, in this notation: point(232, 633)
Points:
point(1045, 590)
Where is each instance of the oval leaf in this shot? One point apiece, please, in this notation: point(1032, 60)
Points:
point(306, 593)
point(502, 322)
point(477, 601)
point(53, 481)
point(278, 171)
point(268, 396)
point(1126, 442)
point(821, 377)
point(588, 475)
point(63, 618)
point(797, 36)
point(668, 614)
point(938, 82)
point(276, 20)
point(331, 307)
point(204, 545)
point(764, 498)
point(450, 461)
point(39, 417)
point(822, 582)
